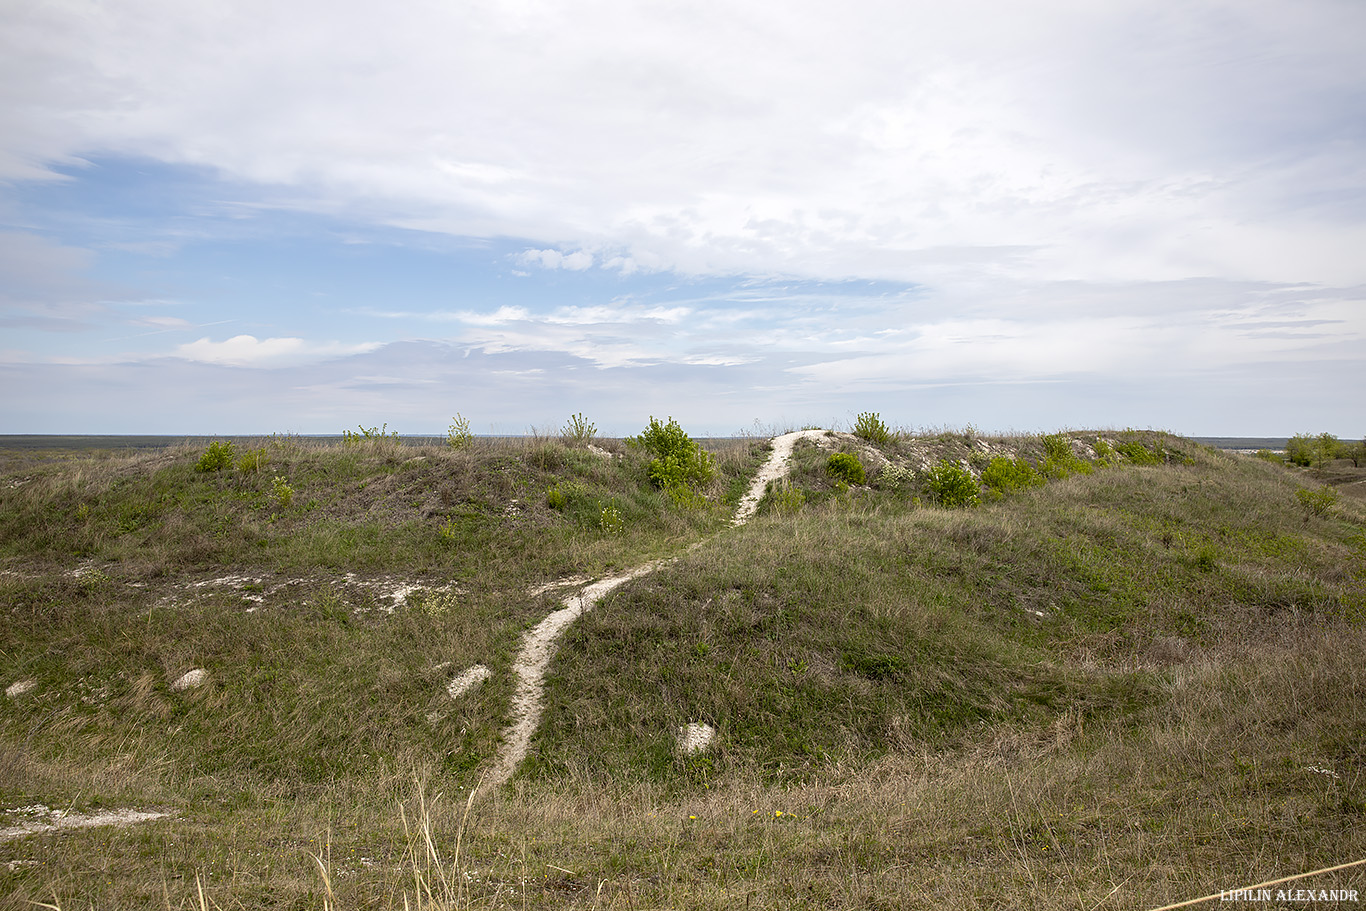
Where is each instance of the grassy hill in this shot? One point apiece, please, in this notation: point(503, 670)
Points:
point(1129, 676)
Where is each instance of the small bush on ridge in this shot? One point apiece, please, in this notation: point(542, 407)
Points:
point(216, 458)
point(952, 485)
point(369, 435)
point(870, 427)
point(282, 492)
point(1005, 475)
point(459, 436)
point(1137, 453)
point(578, 430)
point(252, 460)
point(846, 467)
point(679, 463)
point(1060, 460)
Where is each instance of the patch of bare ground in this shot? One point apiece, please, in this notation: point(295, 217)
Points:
point(38, 819)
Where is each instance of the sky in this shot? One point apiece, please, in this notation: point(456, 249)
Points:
point(260, 217)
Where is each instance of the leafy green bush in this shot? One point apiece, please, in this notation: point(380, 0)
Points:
point(788, 500)
point(458, 436)
point(282, 492)
point(216, 458)
point(578, 430)
point(555, 498)
point(1317, 502)
point(1005, 475)
point(369, 435)
point(1060, 459)
point(952, 485)
point(846, 467)
point(1269, 456)
point(252, 460)
point(1137, 453)
point(679, 462)
point(870, 427)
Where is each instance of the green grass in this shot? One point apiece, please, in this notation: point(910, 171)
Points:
point(1117, 690)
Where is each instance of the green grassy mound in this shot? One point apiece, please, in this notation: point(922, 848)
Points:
point(1135, 683)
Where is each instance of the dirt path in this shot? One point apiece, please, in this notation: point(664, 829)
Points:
point(539, 644)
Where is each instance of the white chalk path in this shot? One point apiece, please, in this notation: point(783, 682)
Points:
point(54, 820)
point(771, 470)
point(539, 644)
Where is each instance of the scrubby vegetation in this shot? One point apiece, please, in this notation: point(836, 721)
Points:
point(680, 466)
point(869, 426)
point(1115, 689)
point(846, 467)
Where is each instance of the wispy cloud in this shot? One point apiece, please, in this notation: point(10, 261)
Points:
point(249, 351)
point(576, 261)
point(808, 200)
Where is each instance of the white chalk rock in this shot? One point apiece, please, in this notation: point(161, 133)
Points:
point(191, 679)
point(695, 737)
point(467, 680)
point(20, 687)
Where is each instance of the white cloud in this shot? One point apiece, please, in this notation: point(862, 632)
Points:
point(1055, 189)
point(249, 351)
point(163, 322)
point(1110, 141)
point(554, 259)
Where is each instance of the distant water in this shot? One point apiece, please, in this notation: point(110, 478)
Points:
point(1275, 444)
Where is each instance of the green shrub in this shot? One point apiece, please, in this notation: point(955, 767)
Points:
point(1269, 456)
point(555, 498)
point(578, 430)
point(679, 462)
point(870, 427)
point(1005, 475)
point(216, 458)
point(846, 467)
point(1137, 453)
point(282, 492)
point(252, 460)
point(459, 436)
point(788, 500)
point(952, 485)
point(1060, 459)
point(369, 435)
point(449, 532)
point(1317, 502)
point(1105, 452)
